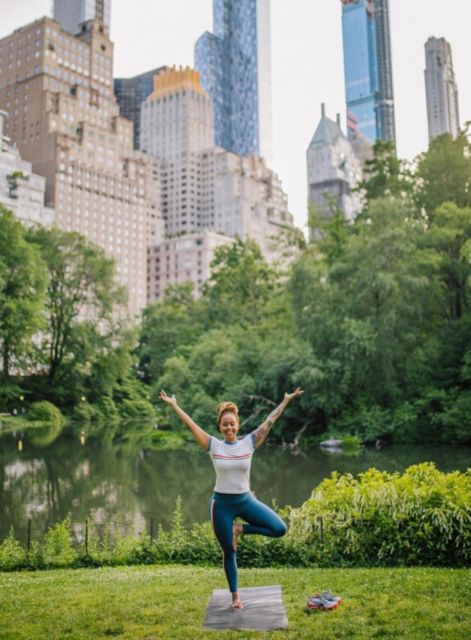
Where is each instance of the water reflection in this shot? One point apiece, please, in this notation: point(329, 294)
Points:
point(124, 485)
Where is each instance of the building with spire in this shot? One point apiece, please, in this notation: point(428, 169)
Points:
point(64, 119)
point(368, 69)
point(333, 169)
point(440, 89)
point(235, 66)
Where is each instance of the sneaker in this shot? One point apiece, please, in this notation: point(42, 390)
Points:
point(328, 595)
point(318, 602)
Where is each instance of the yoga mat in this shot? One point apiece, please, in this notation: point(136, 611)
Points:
point(263, 610)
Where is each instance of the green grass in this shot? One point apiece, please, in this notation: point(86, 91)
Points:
point(147, 602)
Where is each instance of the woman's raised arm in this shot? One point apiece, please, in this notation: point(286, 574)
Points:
point(260, 434)
point(201, 437)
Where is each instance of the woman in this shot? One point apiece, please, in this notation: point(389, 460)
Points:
point(232, 496)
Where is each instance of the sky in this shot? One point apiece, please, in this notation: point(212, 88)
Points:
point(307, 63)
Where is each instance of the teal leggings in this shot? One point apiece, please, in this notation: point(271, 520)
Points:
point(224, 508)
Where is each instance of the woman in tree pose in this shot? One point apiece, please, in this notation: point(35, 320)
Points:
point(232, 496)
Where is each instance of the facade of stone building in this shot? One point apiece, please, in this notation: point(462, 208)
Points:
point(333, 170)
point(64, 119)
point(21, 190)
point(182, 259)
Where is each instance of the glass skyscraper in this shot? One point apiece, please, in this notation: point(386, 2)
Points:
point(368, 69)
point(235, 66)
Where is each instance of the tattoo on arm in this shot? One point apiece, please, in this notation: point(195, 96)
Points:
point(263, 430)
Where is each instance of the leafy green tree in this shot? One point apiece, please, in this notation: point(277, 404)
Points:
point(444, 173)
point(240, 285)
point(168, 327)
point(385, 174)
point(81, 284)
point(22, 292)
point(365, 313)
point(330, 233)
point(450, 236)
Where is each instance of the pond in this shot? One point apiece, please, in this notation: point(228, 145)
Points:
point(124, 485)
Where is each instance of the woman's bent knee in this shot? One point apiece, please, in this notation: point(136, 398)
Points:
point(280, 529)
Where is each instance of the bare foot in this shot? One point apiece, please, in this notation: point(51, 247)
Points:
point(237, 602)
point(236, 532)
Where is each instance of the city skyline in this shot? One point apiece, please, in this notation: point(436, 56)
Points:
point(307, 64)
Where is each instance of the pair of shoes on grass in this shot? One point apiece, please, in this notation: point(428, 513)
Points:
point(324, 601)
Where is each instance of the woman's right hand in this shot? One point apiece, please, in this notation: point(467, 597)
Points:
point(171, 400)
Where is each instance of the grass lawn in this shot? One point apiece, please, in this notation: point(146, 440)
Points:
point(147, 602)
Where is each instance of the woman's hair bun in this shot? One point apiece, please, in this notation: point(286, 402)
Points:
point(227, 407)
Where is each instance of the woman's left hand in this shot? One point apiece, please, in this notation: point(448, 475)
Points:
point(296, 393)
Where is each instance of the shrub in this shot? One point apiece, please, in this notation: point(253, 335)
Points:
point(351, 442)
point(84, 412)
point(421, 517)
point(12, 554)
point(45, 411)
point(58, 551)
point(137, 409)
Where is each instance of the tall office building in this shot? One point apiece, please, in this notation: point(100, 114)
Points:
point(64, 119)
point(441, 89)
point(368, 69)
point(176, 126)
point(333, 170)
point(235, 67)
point(71, 13)
point(204, 187)
point(131, 93)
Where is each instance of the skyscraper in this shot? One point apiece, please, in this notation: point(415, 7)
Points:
point(235, 67)
point(71, 13)
point(176, 126)
point(440, 88)
point(131, 93)
point(209, 195)
point(65, 121)
point(368, 69)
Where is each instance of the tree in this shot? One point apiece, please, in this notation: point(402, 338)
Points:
point(444, 172)
point(22, 291)
point(240, 284)
point(168, 327)
point(385, 174)
point(365, 312)
point(330, 233)
point(449, 235)
point(82, 292)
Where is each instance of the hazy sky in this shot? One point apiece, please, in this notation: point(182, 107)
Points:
point(307, 62)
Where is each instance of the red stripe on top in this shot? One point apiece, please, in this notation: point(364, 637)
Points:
point(218, 455)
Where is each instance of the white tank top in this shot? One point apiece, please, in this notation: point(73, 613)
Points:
point(232, 464)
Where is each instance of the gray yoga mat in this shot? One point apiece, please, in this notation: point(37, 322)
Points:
point(263, 610)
